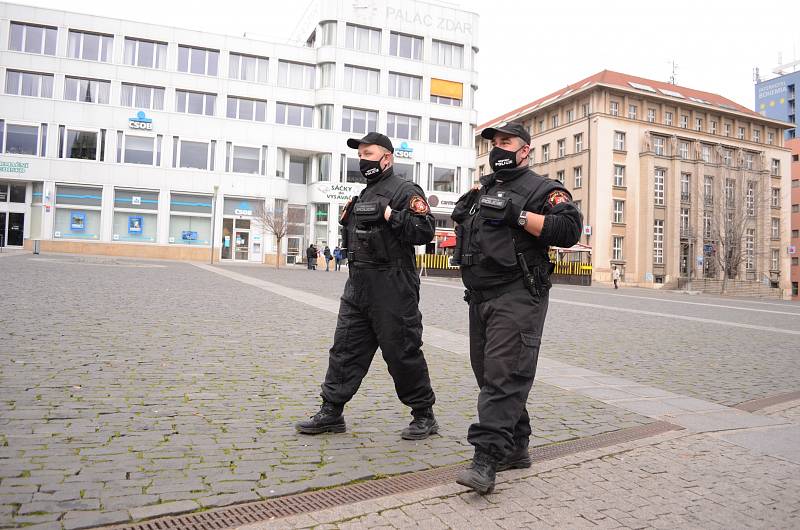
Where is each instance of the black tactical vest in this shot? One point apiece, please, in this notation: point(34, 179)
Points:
point(369, 238)
point(483, 241)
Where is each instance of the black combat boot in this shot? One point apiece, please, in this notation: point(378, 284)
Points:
point(422, 426)
point(519, 458)
point(480, 474)
point(328, 419)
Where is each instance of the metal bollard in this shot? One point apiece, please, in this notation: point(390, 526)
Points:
point(36, 247)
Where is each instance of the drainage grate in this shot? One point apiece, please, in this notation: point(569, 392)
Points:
point(233, 516)
point(761, 403)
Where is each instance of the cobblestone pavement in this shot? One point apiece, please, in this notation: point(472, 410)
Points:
point(132, 389)
point(670, 481)
point(719, 363)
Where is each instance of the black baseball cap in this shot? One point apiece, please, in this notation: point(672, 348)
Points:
point(513, 128)
point(373, 138)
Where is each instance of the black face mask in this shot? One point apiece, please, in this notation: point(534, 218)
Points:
point(370, 168)
point(502, 159)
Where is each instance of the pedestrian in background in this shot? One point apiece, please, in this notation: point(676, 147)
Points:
point(616, 276)
point(337, 256)
point(311, 257)
point(328, 258)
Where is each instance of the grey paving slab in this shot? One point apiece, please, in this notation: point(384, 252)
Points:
point(720, 421)
point(781, 441)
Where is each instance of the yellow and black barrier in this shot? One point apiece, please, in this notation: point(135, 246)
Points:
point(570, 272)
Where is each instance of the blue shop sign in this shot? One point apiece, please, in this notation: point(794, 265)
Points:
point(141, 121)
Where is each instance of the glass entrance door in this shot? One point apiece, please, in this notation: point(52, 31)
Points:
point(242, 245)
point(16, 222)
point(2, 229)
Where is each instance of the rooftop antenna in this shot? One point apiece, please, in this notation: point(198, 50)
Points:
point(756, 75)
point(674, 72)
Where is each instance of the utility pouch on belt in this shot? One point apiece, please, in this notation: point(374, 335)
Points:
point(367, 212)
point(493, 208)
point(529, 278)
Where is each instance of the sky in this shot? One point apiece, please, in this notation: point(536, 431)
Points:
point(529, 49)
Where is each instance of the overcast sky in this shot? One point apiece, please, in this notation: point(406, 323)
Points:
point(531, 48)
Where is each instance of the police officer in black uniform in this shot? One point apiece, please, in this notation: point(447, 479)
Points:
point(380, 304)
point(504, 229)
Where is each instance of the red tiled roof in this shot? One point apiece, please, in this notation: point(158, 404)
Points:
point(608, 77)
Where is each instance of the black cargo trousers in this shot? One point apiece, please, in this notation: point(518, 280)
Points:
point(504, 337)
point(379, 307)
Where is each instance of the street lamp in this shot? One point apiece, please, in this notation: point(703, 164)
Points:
point(213, 221)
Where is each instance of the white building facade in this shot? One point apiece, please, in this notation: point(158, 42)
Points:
point(126, 138)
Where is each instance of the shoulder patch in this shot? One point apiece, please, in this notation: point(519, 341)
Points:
point(418, 205)
point(343, 217)
point(557, 197)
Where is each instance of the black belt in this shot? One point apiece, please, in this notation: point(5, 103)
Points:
point(475, 296)
point(359, 260)
point(534, 259)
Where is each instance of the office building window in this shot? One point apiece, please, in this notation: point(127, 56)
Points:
point(658, 241)
point(730, 193)
point(359, 121)
point(80, 144)
point(545, 153)
point(408, 46)
point(750, 198)
point(361, 80)
point(405, 86)
point(444, 132)
point(246, 109)
point(86, 90)
point(756, 135)
point(619, 211)
point(195, 102)
point(17, 139)
point(740, 134)
point(444, 179)
point(402, 126)
point(616, 248)
point(325, 116)
point(291, 114)
point(194, 155)
point(659, 145)
point(619, 141)
point(684, 121)
point(658, 186)
point(698, 124)
point(197, 60)
point(577, 175)
point(560, 176)
point(447, 54)
point(683, 150)
point(619, 176)
point(243, 159)
point(775, 168)
point(578, 142)
point(632, 109)
point(561, 145)
point(142, 97)
point(89, 46)
point(29, 84)
point(248, 67)
point(32, 38)
point(667, 118)
point(328, 33)
point(748, 161)
point(750, 249)
point(614, 108)
point(775, 198)
point(651, 115)
point(775, 226)
point(295, 75)
point(145, 53)
point(363, 39)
